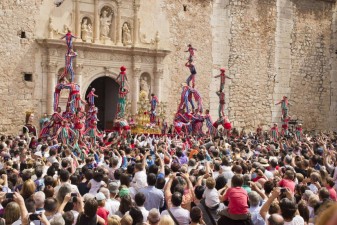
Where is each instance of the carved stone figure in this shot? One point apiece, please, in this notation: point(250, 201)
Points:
point(105, 24)
point(144, 86)
point(51, 28)
point(90, 32)
point(126, 35)
point(84, 30)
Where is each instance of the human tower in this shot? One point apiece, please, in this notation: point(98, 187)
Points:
point(189, 117)
point(78, 121)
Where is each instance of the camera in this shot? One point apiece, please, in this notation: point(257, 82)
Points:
point(9, 195)
point(34, 216)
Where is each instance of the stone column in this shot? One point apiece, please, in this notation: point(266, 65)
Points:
point(77, 20)
point(51, 83)
point(158, 78)
point(135, 90)
point(78, 76)
point(96, 22)
point(118, 25)
point(135, 22)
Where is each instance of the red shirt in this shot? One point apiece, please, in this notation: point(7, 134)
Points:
point(238, 200)
point(333, 194)
point(287, 184)
point(102, 212)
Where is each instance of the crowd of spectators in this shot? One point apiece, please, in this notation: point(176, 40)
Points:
point(166, 180)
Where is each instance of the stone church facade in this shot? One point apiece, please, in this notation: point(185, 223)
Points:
point(270, 48)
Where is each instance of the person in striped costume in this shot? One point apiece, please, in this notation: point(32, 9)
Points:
point(154, 102)
point(209, 123)
point(65, 133)
point(197, 98)
point(56, 120)
point(198, 123)
point(122, 102)
point(299, 132)
point(221, 108)
point(92, 132)
point(57, 92)
point(45, 131)
point(91, 117)
point(121, 125)
point(285, 123)
point(284, 106)
point(180, 127)
point(193, 71)
point(77, 102)
point(78, 124)
point(74, 89)
point(122, 78)
point(223, 77)
point(274, 132)
point(191, 51)
point(91, 97)
point(68, 69)
point(69, 40)
point(184, 97)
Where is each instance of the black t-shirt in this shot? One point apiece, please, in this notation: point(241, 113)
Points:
point(82, 219)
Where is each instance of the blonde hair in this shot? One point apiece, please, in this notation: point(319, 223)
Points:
point(166, 220)
point(28, 188)
point(210, 183)
point(114, 220)
point(12, 212)
point(126, 220)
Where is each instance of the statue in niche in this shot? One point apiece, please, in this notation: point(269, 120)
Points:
point(90, 32)
point(51, 28)
point(144, 85)
point(126, 35)
point(105, 23)
point(84, 30)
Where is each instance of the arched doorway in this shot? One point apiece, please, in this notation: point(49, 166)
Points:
point(107, 91)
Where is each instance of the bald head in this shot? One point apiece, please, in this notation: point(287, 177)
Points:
point(275, 219)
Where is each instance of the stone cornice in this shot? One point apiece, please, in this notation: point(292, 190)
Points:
point(133, 51)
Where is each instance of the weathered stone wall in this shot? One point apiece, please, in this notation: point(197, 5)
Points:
point(310, 71)
point(17, 56)
point(251, 61)
point(188, 27)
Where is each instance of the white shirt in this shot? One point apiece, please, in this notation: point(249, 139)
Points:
point(95, 186)
point(211, 197)
point(140, 180)
point(313, 188)
point(181, 215)
point(75, 213)
point(297, 220)
point(113, 206)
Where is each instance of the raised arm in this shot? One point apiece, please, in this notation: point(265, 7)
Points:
point(265, 208)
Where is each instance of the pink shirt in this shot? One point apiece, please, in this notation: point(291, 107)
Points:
point(333, 194)
point(287, 184)
point(102, 212)
point(238, 200)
